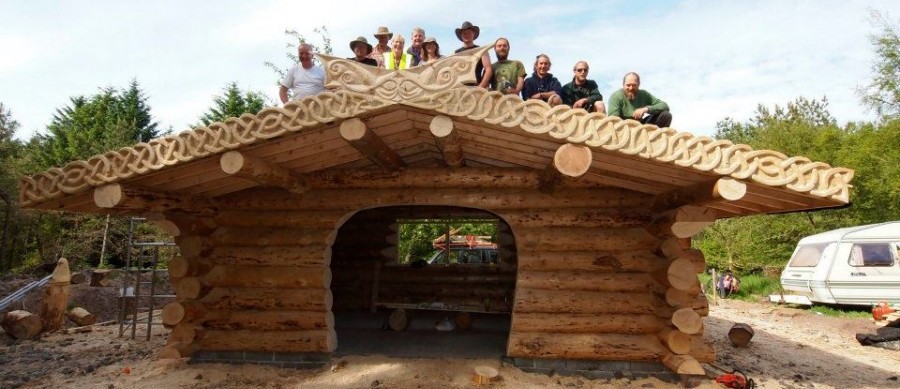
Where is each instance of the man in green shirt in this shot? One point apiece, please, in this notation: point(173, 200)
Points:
point(508, 75)
point(631, 102)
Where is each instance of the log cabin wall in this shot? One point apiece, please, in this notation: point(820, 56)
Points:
point(598, 275)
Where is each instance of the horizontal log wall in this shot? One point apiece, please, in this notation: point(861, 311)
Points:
point(253, 280)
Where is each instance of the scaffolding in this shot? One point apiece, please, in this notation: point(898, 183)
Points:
point(140, 272)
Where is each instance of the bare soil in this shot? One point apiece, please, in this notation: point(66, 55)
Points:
point(793, 348)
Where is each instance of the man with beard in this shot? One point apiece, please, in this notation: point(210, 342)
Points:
point(508, 75)
point(581, 92)
point(542, 85)
point(631, 102)
point(304, 79)
point(415, 48)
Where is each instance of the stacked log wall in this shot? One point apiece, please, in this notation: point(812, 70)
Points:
point(253, 280)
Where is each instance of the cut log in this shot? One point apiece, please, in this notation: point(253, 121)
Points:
point(21, 324)
point(683, 222)
point(398, 320)
point(448, 142)
point(628, 261)
point(81, 316)
point(722, 189)
point(245, 236)
point(586, 280)
point(268, 320)
point(261, 171)
point(191, 224)
point(701, 350)
point(191, 288)
point(682, 299)
point(588, 239)
point(687, 321)
point(100, 277)
point(282, 219)
point(139, 199)
point(616, 347)
point(186, 333)
point(268, 277)
point(180, 266)
point(193, 246)
point(309, 255)
point(78, 278)
point(269, 299)
point(635, 324)
point(680, 274)
point(678, 342)
point(577, 301)
point(683, 364)
point(569, 162)
point(270, 341)
point(177, 350)
point(577, 217)
point(56, 297)
point(177, 312)
point(740, 334)
point(369, 144)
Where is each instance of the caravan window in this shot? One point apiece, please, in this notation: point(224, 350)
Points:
point(871, 254)
point(807, 255)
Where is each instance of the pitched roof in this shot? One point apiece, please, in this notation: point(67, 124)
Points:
point(497, 130)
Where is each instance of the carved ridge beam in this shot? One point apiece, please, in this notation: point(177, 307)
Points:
point(701, 193)
point(355, 132)
point(570, 162)
point(447, 140)
point(261, 171)
point(131, 198)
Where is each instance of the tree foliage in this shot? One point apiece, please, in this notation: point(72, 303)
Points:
point(233, 103)
point(295, 39)
point(416, 237)
point(882, 93)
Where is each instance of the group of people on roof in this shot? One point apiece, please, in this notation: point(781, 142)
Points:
point(505, 75)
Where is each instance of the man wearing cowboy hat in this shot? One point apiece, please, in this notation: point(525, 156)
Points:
point(361, 48)
point(468, 33)
point(304, 79)
point(384, 36)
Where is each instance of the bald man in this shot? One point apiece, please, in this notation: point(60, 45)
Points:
point(304, 79)
point(631, 102)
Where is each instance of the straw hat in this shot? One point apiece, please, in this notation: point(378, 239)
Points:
point(384, 31)
point(467, 25)
point(361, 40)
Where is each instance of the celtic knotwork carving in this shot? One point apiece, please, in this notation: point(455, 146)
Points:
point(438, 87)
point(190, 145)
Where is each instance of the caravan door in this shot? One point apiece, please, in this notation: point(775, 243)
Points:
point(866, 272)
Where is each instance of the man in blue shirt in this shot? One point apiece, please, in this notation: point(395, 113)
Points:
point(542, 85)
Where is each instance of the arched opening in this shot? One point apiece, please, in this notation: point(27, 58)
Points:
point(403, 288)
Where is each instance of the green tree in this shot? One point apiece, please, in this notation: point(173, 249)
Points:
point(295, 39)
point(233, 103)
point(9, 152)
point(92, 125)
point(882, 92)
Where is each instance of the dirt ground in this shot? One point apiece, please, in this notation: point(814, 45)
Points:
point(792, 348)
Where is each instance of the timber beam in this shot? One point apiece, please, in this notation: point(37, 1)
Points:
point(129, 198)
point(569, 163)
point(447, 141)
point(369, 144)
point(261, 171)
point(702, 193)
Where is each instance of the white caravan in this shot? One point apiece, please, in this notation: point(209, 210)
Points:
point(853, 266)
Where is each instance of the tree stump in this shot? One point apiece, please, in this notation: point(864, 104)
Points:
point(740, 334)
point(78, 278)
point(81, 316)
point(21, 324)
point(56, 297)
point(398, 320)
point(100, 277)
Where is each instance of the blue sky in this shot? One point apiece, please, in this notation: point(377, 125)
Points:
point(708, 60)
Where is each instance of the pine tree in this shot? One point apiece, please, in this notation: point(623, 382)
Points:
point(233, 103)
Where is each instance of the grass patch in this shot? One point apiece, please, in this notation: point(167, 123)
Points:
point(855, 312)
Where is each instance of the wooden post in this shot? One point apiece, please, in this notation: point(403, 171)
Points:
point(255, 169)
point(447, 141)
point(56, 297)
point(369, 144)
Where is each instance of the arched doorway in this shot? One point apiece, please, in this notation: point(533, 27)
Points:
point(402, 288)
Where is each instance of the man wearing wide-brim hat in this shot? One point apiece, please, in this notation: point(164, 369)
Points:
point(361, 49)
point(384, 36)
point(468, 33)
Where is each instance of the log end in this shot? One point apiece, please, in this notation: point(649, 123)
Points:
point(441, 126)
point(231, 162)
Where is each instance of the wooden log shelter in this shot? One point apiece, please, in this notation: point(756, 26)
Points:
point(284, 214)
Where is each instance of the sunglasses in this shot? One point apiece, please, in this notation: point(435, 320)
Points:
point(582, 70)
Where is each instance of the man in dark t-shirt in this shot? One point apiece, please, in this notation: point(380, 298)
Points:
point(581, 92)
point(361, 49)
point(468, 33)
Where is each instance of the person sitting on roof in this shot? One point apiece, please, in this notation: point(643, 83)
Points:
point(581, 92)
point(632, 102)
point(396, 59)
point(468, 33)
point(415, 46)
point(304, 79)
point(508, 75)
point(431, 51)
point(542, 85)
point(361, 49)
point(383, 35)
